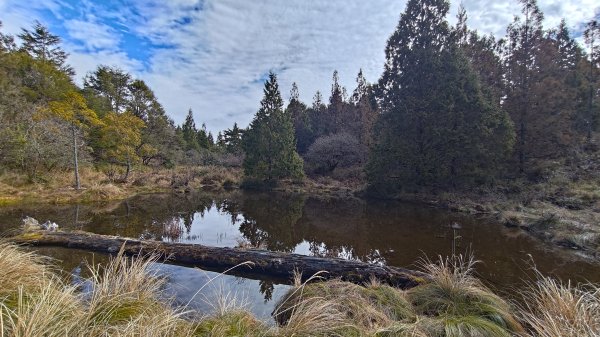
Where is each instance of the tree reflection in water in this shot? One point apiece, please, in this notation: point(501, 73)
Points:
point(271, 223)
point(266, 288)
point(382, 232)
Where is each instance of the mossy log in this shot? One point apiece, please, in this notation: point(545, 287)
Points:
point(265, 263)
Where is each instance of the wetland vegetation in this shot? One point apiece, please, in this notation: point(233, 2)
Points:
point(503, 130)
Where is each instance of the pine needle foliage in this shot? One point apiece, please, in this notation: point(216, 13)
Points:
point(269, 143)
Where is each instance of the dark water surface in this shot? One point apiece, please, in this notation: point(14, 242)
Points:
point(385, 232)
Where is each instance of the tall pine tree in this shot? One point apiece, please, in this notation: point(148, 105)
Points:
point(190, 132)
point(592, 39)
point(365, 110)
point(299, 113)
point(482, 52)
point(522, 71)
point(269, 142)
point(436, 129)
point(45, 46)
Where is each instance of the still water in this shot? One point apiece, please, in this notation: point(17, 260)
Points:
point(383, 232)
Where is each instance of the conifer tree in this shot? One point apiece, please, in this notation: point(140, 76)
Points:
point(362, 88)
point(45, 46)
point(461, 31)
point(436, 128)
point(482, 53)
point(366, 110)
point(569, 53)
point(316, 117)
point(299, 113)
point(269, 142)
point(141, 100)
point(336, 120)
point(232, 139)
point(189, 132)
point(220, 140)
point(522, 71)
point(203, 139)
point(158, 137)
point(556, 96)
point(111, 83)
point(592, 39)
point(7, 42)
point(210, 140)
point(317, 103)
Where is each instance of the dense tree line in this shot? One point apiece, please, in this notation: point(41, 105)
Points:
point(114, 121)
point(454, 108)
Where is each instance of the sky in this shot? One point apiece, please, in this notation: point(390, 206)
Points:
point(213, 55)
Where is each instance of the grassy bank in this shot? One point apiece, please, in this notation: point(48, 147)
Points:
point(56, 187)
point(560, 211)
point(124, 301)
point(560, 204)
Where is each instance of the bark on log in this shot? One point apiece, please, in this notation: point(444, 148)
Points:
point(266, 263)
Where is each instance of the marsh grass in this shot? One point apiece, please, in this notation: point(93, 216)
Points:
point(98, 186)
point(20, 269)
point(50, 310)
point(234, 323)
point(123, 289)
point(552, 308)
point(454, 303)
point(33, 300)
point(125, 300)
point(461, 302)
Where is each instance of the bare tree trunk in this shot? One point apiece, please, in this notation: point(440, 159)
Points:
point(128, 169)
point(591, 100)
point(75, 160)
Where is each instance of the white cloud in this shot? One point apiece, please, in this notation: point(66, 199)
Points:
point(85, 62)
point(91, 35)
point(221, 56)
point(211, 55)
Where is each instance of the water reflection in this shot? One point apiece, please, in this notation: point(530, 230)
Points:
point(272, 223)
point(382, 232)
point(192, 288)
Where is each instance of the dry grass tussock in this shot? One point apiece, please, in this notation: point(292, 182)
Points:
point(124, 301)
point(455, 303)
point(552, 308)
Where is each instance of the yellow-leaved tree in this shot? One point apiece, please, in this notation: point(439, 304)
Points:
point(121, 138)
point(73, 109)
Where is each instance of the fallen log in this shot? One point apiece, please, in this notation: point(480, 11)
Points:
point(267, 263)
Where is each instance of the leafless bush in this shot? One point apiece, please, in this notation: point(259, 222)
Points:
point(340, 150)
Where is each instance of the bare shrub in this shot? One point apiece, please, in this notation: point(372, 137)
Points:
point(340, 150)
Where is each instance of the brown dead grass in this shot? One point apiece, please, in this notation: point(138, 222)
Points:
point(125, 301)
point(552, 308)
point(57, 187)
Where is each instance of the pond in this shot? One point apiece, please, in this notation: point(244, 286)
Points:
point(374, 231)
